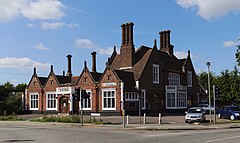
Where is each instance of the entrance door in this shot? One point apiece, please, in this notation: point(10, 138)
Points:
point(64, 105)
point(156, 104)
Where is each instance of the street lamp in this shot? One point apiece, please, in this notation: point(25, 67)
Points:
point(209, 92)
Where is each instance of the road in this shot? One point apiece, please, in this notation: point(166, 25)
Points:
point(88, 134)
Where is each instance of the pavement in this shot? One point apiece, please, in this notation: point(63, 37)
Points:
point(115, 122)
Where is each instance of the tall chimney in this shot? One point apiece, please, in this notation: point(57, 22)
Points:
point(130, 33)
point(127, 51)
point(69, 72)
point(94, 62)
point(165, 44)
point(127, 33)
point(123, 34)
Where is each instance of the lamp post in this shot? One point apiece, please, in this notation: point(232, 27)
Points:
point(209, 92)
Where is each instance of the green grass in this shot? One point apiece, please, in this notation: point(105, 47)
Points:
point(65, 119)
point(10, 118)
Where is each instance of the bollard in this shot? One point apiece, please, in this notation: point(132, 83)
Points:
point(124, 119)
point(144, 118)
point(127, 119)
point(159, 119)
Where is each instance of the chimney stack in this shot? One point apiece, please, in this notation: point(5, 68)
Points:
point(94, 62)
point(69, 72)
point(127, 51)
point(165, 44)
point(127, 33)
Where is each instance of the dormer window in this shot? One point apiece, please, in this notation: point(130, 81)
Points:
point(155, 73)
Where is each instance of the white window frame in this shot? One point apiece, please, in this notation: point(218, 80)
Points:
point(52, 93)
point(131, 96)
point(143, 99)
point(173, 79)
point(90, 98)
point(107, 90)
point(189, 78)
point(156, 73)
point(179, 103)
point(34, 100)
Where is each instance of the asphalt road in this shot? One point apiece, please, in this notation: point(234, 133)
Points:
point(88, 134)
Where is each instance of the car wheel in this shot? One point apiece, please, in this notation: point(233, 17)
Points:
point(232, 117)
point(186, 121)
point(219, 116)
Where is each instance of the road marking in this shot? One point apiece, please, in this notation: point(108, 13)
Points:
point(222, 139)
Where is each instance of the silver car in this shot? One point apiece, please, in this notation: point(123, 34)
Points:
point(195, 114)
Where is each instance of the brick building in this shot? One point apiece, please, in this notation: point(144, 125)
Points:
point(153, 77)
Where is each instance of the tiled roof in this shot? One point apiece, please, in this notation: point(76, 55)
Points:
point(142, 56)
point(63, 79)
point(42, 80)
point(127, 78)
point(75, 80)
point(96, 76)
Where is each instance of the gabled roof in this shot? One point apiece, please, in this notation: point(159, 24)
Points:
point(142, 56)
point(127, 78)
point(42, 80)
point(96, 76)
point(74, 80)
point(63, 79)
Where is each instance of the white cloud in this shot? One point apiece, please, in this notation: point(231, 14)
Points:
point(53, 25)
point(43, 9)
point(211, 9)
point(230, 44)
point(30, 25)
point(22, 63)
point(56, 25)
point(182, 55)
point(107, 51)
point(85, 43)
point(88, 44)
point(32, 9)
point(40, 46)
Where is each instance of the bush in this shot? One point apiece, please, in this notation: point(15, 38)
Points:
point(10, 118)
point(62, 119)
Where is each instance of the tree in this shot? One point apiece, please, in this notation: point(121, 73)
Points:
point(229, 83)
point(203, 79)
point(10, 98)
point(237, 54)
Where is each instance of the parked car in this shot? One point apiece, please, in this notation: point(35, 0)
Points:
point(195, 114)
point(230, 112)
point(205, 107)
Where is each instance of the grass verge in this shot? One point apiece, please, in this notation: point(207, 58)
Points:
point(65, 119)
point(10, 118)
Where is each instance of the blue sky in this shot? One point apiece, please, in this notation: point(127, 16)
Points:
point(38, 33)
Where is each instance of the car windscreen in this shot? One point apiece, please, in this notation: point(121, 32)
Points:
point(234, 108)
point(194, 111)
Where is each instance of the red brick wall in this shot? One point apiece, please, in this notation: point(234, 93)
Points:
point(117, 87)
point(33, 88)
